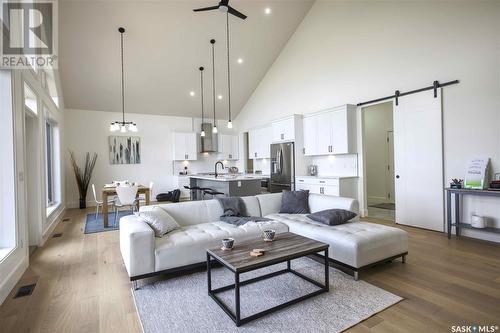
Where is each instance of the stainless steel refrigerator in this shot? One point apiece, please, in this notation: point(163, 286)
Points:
point(282, 167)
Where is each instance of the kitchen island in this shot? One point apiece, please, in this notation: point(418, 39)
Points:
point(230, 185)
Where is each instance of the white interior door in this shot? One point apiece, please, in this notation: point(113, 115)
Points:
point(418, 153)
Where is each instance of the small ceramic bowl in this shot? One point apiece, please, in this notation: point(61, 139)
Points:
point(268, 235)
point(227, 243)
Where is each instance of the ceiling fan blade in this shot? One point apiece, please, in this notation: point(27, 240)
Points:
point(205, 9)
point(236, 13)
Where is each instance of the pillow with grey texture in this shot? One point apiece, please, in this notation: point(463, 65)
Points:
point(159, 220)
point(295, 202)
point(332, 216)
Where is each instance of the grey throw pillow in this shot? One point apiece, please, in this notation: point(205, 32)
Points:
point(295, 202)
point(159, 220)
point(332, 216)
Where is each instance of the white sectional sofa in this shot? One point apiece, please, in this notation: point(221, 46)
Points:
point(354, 245)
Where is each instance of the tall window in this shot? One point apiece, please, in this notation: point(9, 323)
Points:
point(7, 173)
point(49, 146)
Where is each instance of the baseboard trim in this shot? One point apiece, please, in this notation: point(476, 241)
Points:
point(57, 218)
point(376, 200)
point(10, 282)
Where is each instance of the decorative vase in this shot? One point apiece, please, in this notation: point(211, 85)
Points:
point(83, 203)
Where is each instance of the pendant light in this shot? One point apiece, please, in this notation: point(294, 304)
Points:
point(202, 113)
point(122, 125)
point(212, 41)
point(229, 123)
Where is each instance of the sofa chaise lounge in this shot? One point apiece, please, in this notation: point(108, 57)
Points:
point(354, 245)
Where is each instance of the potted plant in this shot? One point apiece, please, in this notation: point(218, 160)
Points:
point(83, 178)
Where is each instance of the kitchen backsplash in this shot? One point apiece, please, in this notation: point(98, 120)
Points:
point(331, 165)
point(336, 165)
point(204, 163)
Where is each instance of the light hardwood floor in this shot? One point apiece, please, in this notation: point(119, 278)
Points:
point(82, 285)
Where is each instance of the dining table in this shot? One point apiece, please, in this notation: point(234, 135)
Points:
point(111, 190)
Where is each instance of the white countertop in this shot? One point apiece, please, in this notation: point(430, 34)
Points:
point(228, 178)
point(326, 177)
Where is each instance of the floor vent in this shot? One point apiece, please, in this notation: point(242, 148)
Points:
point(66, 219)
point(56, 235)
point(25, 290)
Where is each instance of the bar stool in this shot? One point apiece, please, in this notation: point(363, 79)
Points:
point(212, 192)
point(192, 191)
point(196, 190)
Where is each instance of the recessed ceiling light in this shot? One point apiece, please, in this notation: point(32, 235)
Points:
point(267, 10)
point(240, 60)
point(191, 93)
point(219, 97)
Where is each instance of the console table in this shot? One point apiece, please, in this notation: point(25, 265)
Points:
point(457, 192)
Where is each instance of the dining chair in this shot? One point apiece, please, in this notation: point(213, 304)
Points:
point(142, 197)
point(99, 203)
point(126, 196)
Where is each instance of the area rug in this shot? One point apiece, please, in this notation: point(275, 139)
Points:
point(181, 304)
point(385, 205)
point(93, 225)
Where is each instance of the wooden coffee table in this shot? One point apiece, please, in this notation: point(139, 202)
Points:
point(286, 247)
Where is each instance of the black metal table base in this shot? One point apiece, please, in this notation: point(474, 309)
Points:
point(236, 316)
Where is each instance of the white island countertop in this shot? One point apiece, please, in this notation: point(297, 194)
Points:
point(229, 178)
point(326, 177)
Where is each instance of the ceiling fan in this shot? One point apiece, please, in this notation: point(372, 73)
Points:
point(224, 7)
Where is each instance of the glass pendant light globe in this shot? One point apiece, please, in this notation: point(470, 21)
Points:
point(229, 124)
point(202, 134)
point(214, 130)
point(123, 129)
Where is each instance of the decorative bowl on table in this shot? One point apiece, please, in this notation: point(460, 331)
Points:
point(268, 235)
point(227, 243)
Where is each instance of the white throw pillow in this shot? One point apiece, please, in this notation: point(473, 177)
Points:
point(159, 220)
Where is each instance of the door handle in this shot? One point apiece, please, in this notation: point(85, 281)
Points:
point(282, 136)
point(397, 176)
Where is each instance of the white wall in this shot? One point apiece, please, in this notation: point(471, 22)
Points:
point(88, 131)
point(377, 122)
point(350, 52)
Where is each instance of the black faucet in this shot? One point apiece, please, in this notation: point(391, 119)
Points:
point(219, 162)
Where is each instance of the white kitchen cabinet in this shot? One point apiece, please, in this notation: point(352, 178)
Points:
point(185, 146)
point(284, 129)
point(228, 146)
point(259, 145)
point(331, 131)
point(335, 186)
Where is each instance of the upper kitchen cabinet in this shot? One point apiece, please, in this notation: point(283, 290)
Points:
point(228, 146)
point(185, 147)
point(285, 129)
point(331, 131)
point(259, 143)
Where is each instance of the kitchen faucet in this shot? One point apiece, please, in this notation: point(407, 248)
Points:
point(222, 164)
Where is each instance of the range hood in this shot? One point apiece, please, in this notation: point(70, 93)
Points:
point(209, 141)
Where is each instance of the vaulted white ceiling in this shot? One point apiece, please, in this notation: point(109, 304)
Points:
point(165, 43)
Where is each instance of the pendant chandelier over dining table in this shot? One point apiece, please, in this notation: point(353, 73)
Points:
point(122, 126)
